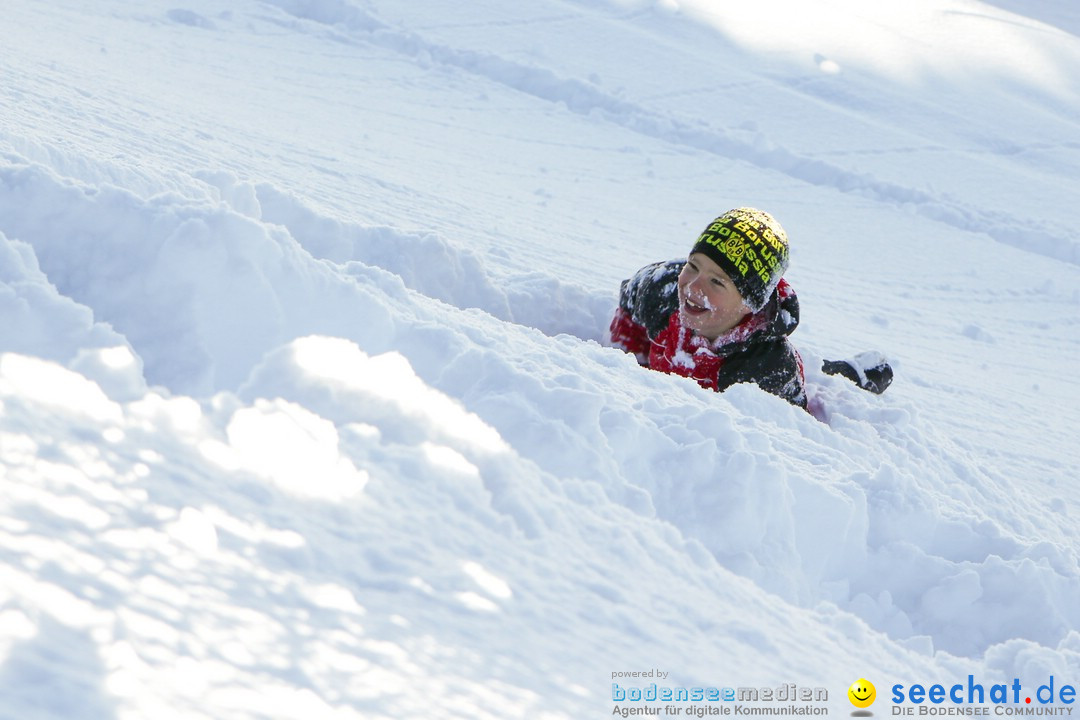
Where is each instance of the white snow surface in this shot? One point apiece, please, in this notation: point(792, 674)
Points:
point(305, 405)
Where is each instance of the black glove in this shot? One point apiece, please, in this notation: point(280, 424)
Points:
point(875, 377)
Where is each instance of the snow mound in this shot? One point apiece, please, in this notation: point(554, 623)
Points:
point(209, 298)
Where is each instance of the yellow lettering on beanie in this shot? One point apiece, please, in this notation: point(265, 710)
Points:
point(752, 247)
point(739, 249)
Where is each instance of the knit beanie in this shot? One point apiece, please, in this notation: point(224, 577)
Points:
point(752, 248)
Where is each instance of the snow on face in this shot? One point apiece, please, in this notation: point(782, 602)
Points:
point(709, 304)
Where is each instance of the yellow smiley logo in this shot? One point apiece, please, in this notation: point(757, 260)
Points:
point(862, 693)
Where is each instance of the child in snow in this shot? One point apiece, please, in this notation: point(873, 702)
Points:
point(721, 317)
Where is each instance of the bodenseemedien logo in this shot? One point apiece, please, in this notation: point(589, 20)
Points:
point(715, 700)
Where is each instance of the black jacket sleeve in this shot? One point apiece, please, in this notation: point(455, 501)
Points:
point(774, 366)
point(651, 295)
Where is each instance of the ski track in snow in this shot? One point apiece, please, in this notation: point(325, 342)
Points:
point(160, 338)
point(581, 97)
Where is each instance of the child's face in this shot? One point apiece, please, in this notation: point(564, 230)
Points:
point(709, 304)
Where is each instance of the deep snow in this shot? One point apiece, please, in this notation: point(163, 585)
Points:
point(305, 409)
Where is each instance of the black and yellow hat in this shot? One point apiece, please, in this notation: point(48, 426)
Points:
point(751, 247)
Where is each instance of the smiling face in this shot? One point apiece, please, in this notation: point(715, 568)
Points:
point(862, 693)
point(709, 304)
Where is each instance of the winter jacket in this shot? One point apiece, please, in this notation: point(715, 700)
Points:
point(647, 323)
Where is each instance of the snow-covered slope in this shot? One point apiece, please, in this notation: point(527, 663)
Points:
point(305, 409)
